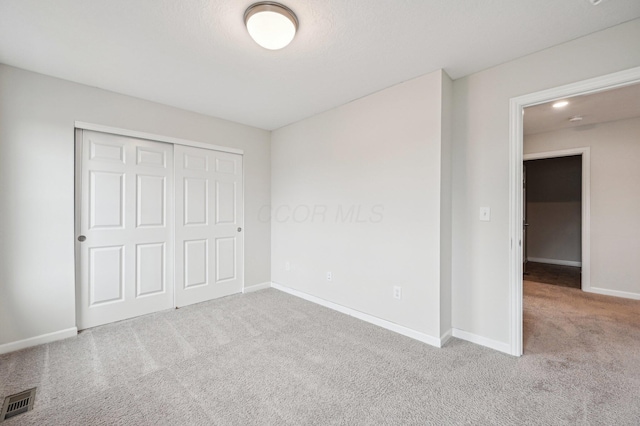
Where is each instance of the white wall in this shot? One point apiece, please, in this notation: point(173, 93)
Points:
point(381, 158)
point(37, 115)
point(615, 198)
point(554, 209)
point(481, 165)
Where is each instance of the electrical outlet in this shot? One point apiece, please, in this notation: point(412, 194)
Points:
point(287, 266)
point(329, 276)
point(397, 292)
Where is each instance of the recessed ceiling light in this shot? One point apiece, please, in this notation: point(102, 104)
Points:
point(575, 118)
point(271, 24)
point(561, 104)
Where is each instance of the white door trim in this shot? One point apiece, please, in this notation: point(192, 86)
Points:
point(153, 137)
point(516, 108)
point(77, 182)
point(585, 153)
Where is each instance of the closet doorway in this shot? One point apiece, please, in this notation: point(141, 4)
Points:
point(552, 235)
point(158, 226)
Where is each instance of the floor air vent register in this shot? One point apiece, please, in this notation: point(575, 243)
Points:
point(17, 404)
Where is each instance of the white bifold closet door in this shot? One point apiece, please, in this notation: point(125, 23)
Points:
point(209, 220)
point(126, 225)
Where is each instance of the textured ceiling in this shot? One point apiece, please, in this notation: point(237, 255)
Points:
point(197, 55)
point(601, 107)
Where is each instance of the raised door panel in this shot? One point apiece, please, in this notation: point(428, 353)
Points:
point(196, 263)
point(225, 259)
point(146, 156)
point(196, 201)
point(195, 161)
point(151, 201)
point(226, 166)
point(151, 269)
point(106, 199)
point(106, 150)
point(106, 274)
point(226, 202)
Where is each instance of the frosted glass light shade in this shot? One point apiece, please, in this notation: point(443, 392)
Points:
point(271, 25)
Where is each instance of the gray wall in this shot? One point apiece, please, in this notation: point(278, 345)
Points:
point(554, 210)
point(383, 157)
point(481, 165)
point(615, 199)
point(37, 115)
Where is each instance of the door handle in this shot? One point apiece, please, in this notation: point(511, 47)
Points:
point(239, 229)
point(82, 238)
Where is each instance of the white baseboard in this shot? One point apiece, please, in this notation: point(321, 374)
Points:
point(38, 340)
point(256, 287)
point(396, 328)
point(616, 293)
point(400, 329)
point(483, 341)
point(554, 261)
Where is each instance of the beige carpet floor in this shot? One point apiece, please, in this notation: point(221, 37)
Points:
point(268, 358)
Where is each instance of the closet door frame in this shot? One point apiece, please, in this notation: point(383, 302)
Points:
point(79, 127)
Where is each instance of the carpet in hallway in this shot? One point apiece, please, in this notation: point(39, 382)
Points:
point(561, 275)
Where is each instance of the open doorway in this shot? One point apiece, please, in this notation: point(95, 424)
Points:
point(552, 234)
point(610, 280)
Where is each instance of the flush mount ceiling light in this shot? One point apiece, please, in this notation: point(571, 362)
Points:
point(560, 104)
point(270, 24)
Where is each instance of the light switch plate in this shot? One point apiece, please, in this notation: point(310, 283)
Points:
point(485, 214)
point(397, 292)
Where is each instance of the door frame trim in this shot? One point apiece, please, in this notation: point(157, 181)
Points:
point(585, 227)
point(153, 137)
point(77, 199)
point(516, 109)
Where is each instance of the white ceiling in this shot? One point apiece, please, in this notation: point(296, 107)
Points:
point(601, 107)
point(197, 55)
